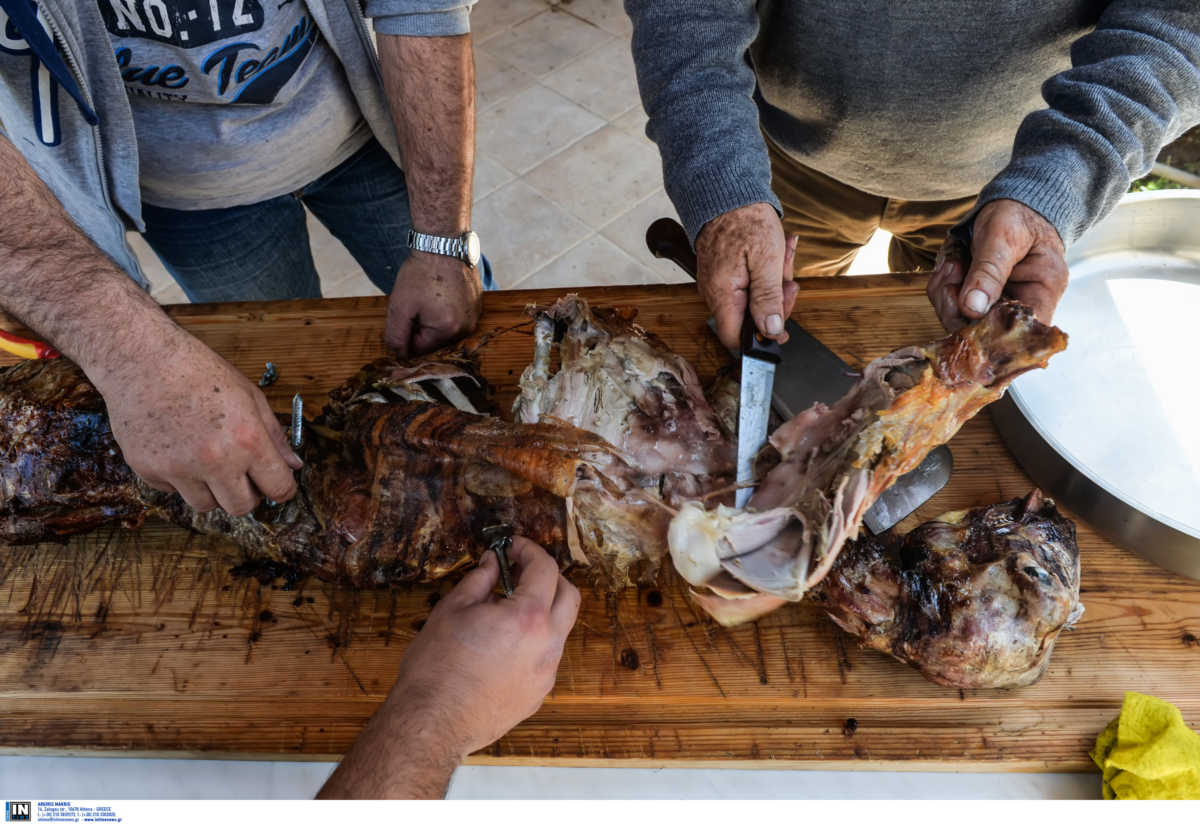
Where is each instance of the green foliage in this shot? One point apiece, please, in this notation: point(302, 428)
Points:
point(1154, 183)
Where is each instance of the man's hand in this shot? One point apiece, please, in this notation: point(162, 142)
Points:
point(1015, 252)
point(740, 252)
point(436, 300)
point(187, 421)
point(480, 666)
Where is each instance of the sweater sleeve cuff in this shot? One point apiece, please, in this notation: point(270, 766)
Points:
point(1049, 192)
point(703, 199)
point(397, 18)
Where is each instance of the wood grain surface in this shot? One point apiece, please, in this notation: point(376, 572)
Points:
point(135, 643)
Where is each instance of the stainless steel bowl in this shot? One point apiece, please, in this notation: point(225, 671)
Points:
point(1112, 427)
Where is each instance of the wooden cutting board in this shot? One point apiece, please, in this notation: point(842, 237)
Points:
point(125, 643)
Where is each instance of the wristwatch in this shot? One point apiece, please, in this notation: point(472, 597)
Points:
point(465, 247)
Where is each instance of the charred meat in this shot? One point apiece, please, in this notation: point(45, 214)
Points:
point(407, 464)
point(974, 598)
point(61, 472)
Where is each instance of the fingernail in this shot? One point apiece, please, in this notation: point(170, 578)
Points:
point(774, 324)
point(977, 300)
point(297, 461)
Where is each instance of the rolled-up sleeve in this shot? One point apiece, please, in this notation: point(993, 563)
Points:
point(421, 18)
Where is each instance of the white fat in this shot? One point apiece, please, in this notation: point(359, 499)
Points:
point(456, 396)
point(694, 537)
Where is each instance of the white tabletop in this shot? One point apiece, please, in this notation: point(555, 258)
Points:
point(128, 778)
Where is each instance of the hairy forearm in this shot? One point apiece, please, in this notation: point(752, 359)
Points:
point(430, 83)
point(55, 280)
point(403, 752)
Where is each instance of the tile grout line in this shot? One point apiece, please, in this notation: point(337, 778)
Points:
point(556, 152)
point(591, 234)
point(511, 26)
point(567, 210)
point(631, 208)
point(586, 52)
point(589, 22)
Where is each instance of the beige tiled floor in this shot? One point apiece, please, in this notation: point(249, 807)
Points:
point(566, 181)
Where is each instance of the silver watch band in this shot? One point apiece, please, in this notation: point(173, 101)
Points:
point(437, 245)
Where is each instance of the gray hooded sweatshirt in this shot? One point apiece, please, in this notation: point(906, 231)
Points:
point(86, 151)
point(1055, 104)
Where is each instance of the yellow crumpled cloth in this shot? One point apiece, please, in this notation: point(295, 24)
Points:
point(1148, 752)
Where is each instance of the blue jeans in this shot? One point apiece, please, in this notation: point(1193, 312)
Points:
point(261, 251)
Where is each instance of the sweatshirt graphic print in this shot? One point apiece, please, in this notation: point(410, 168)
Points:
point(210, 51)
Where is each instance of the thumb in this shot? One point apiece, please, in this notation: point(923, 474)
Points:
point(476, 585)
point(767, 273)
point(993, 256)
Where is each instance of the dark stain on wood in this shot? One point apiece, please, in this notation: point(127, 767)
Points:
point(843, 657)
point(762, 659)
point(653, 654)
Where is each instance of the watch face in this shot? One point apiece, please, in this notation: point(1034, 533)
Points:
point(472, 240)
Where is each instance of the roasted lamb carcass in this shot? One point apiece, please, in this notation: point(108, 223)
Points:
point(406, 465)
point(391, 458)
point(825, 467)
point(975, 598)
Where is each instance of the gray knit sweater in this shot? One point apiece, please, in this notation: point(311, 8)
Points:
point(917, 99)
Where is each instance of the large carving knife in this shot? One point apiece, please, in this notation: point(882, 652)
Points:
point(760, 356)
point(809, 372)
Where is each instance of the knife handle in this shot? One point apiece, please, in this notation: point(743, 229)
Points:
point(756, 345)
point(667, 239)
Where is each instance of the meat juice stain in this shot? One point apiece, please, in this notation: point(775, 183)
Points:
point(654, 598)
point(850, 727)
point(1190, 640)
point(629, 658)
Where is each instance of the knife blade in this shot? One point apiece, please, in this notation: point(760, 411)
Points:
point(759, 359)
point(811, 373)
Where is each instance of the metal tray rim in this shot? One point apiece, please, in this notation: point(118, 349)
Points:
point(1123, 515)
point(1085, 471)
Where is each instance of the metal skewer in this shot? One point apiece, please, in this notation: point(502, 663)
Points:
point(296, 434)
point(499, 539)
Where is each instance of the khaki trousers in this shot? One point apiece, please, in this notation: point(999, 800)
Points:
point(834, 220)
